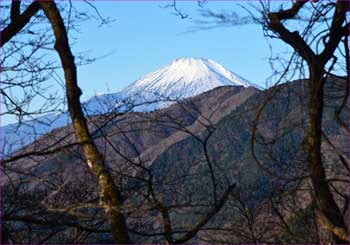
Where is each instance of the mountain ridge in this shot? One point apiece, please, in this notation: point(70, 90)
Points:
point(182, 78)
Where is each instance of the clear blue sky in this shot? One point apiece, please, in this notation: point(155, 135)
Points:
point(145, 37)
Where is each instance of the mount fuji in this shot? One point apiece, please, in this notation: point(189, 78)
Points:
point(183, 78)
point(180, 79)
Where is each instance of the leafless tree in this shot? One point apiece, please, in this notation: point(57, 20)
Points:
point(318, 50)
point(110, 198)
point(317, 33)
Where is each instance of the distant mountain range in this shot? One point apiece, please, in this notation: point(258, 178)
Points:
point(172, 143)
point(183, 78)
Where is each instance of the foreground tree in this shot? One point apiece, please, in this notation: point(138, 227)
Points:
point(317, 61)
point(110, 197)
point(320, 48)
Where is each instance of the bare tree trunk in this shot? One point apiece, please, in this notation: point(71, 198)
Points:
point(328, 211)
point(110, 197)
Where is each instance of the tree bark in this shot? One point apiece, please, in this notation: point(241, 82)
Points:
point(328, 210)
point(110, 197)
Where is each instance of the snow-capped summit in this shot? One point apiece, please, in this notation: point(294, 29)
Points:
point(184, 78)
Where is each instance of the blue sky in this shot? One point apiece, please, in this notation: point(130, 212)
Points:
point(145, 37)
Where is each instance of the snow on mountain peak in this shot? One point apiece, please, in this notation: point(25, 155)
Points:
point(186, 77)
